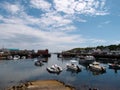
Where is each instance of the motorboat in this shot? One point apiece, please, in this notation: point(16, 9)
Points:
point(57, 67)
point(23, 57)
point(114, 66)
point(16, 57)
point(54, 69)
point(95, 66)
point(86, 59)
point(73, 66)
point(39, 63)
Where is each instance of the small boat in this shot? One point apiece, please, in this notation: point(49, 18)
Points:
point(114, 66)
point(54, 69)
point(95, 66)
point(9, 57)
point(16, 57)
point(73, 66)
point(39, 63)
point(86, 59)
point(23, 57)
point(57, 67)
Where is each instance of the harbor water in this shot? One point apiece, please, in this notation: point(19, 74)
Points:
point(13, 72)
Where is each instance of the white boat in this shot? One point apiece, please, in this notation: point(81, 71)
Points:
point(87, 60)
point(54, 69)
point(16, 57)
point(95, 66)
point(57, 67)
point(73, 66)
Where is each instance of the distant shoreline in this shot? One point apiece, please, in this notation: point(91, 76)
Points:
point(42, 85)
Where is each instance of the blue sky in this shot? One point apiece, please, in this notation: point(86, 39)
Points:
point(59, 24)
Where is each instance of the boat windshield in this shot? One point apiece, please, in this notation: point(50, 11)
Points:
point(95, 63)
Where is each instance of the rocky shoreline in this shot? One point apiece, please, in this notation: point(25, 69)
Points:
point(42, 85)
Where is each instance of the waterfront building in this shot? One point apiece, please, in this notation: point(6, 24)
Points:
point(45, 52)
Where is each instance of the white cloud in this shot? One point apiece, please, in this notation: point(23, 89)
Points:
point(114, 42)
point(67, 28)
point(25, 37)
point(1, 17)
point(22, 36)
point(41, 4)
point(49, 30)
point(88, 7)
point(80, 6)
point(12, 8)
point(64, 6)
point(48, 21)
point(12, 20)
point(54, 18)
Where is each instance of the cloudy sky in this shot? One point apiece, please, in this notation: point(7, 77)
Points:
point(59, 24)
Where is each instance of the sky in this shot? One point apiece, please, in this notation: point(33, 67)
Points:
point(59, 25)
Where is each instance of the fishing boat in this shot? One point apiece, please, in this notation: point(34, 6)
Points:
point(95, 66)
point(73, 66)
point(54, 69)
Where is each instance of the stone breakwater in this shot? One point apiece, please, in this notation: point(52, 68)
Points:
point(42, 85)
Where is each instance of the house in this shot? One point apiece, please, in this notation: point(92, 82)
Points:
point(43, 52)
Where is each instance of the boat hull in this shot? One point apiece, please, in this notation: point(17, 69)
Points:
point(97, 68)
point(113, 66)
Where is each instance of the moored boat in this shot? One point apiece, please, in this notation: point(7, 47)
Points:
point(16, 57)
point(95, 66)
point(87, 59)
point(39, 63)
point(54, 69)
point(57, 67)
point(73, 66)
point(114, 66)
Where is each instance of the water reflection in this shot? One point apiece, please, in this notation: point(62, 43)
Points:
point(42, 59)
point(115, 70)
point(97, 73)
point(73, 71)
point(85, 66)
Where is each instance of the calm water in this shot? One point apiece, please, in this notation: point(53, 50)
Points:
point(13, 72)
